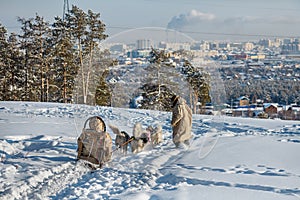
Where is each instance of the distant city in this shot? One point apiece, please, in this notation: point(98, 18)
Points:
point(288, 48)
point(270, 65)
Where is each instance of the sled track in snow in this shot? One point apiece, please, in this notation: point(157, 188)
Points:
point(61, 176)
point(46, 182)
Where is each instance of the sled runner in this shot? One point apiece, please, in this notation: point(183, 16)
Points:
point(94, 143)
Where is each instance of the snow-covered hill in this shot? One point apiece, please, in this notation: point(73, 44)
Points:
point(229, 158)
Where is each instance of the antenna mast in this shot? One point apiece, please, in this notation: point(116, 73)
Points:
point(66, 8)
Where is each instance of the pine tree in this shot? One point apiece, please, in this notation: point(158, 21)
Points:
point(103, 93)
point(42, 63)
point(156, 97)
point(159, 87)
point(35, 44)
point(66, 68)
point(87, 30)
point(199, 80)
point(76, 24)
point(196, 79)
point(94, 66)
point(15, 68)
point(11, 80)
point(3, 63)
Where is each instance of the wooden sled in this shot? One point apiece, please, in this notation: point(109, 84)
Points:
point(94, 143)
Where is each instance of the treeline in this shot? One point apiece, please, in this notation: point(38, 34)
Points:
point(63, 62)
point(279, 90)
point(48, 62)
point(276, 91)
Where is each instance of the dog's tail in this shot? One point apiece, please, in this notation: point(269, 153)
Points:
point(137, 130)
point(116, 130)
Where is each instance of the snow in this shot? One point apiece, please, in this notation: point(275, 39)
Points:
point(229, 158)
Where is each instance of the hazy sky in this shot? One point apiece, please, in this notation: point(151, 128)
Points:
point(199, 19)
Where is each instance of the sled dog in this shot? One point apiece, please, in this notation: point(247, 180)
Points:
point(156, 134)
point(140, 137)
point(121, 140)
point(143, 137)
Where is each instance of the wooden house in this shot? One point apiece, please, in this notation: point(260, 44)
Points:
point(271, 110)
point(243, 101)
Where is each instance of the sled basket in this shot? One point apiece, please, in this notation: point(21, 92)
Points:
point(94, 144)
point(97, 117)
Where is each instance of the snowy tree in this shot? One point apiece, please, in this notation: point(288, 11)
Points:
point(103, 92)
point(3, 62)
point(10, 67)
point(14, 68)
point(35, 43)
point(44, 61)
point(157, 88)
point(87, 30)
point(65, 62)
point(199, 80)
point(77, 23)
point(102, 63)
point(161, 85)
point(156, 97)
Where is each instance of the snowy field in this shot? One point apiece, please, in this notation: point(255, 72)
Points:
point(229, 158)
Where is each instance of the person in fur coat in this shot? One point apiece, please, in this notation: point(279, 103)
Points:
point(181, 121)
